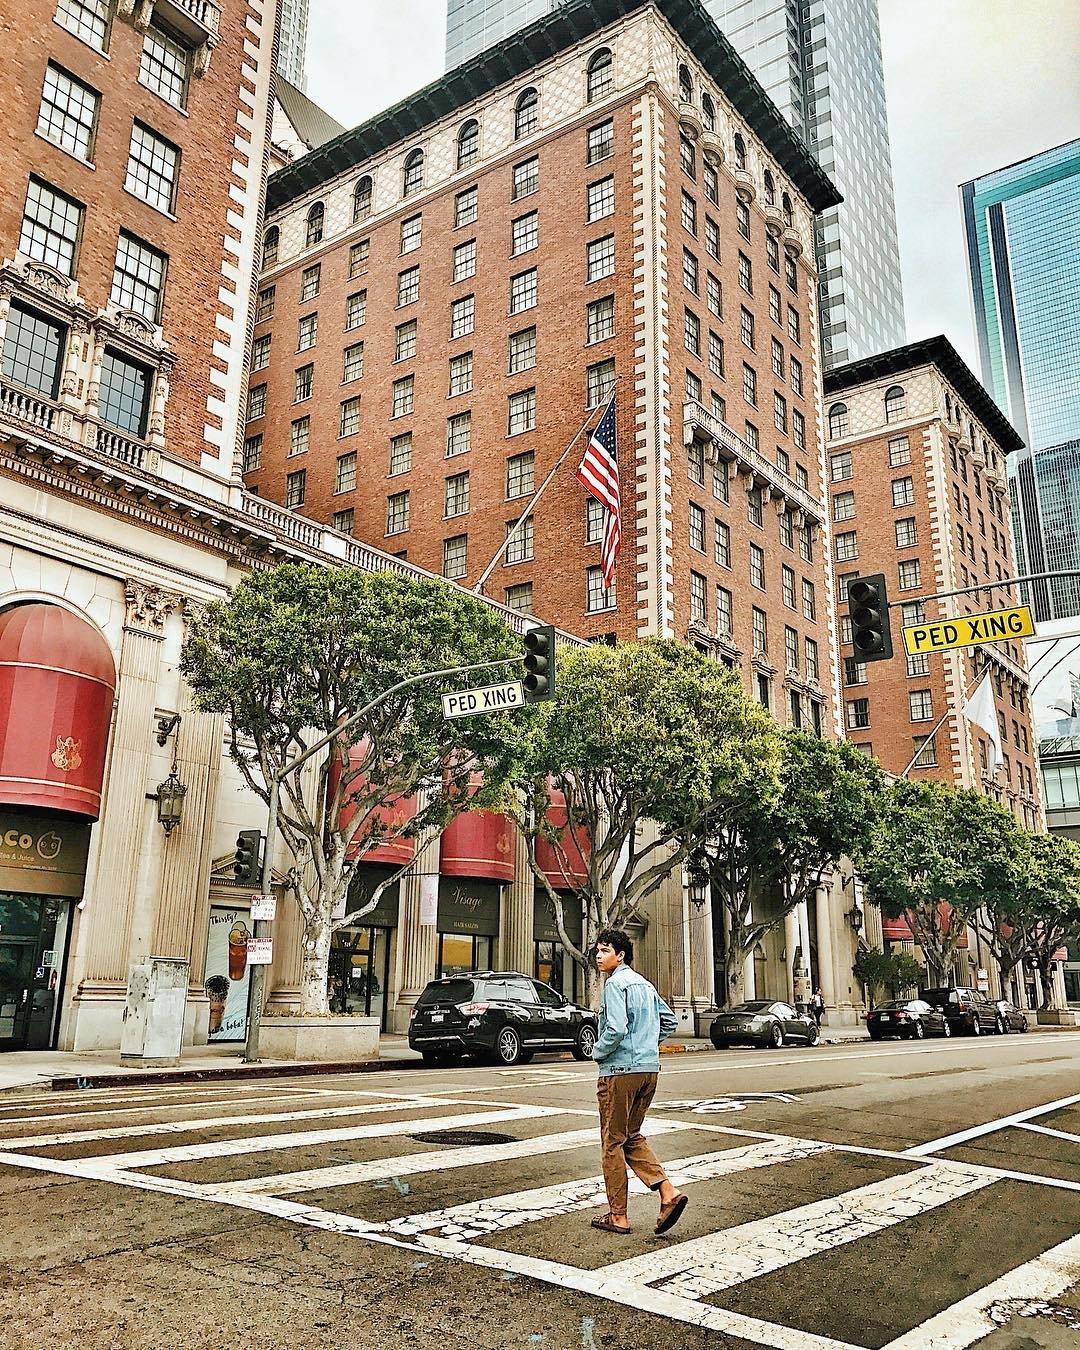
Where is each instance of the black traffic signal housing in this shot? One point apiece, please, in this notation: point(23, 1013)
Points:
point(539, 681)
point(868, 608)
point(246, 868)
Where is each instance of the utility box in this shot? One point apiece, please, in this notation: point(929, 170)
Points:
point(154, 1015)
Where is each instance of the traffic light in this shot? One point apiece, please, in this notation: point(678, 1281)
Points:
point(539, 681)
point(868, 606)
point(246, 866)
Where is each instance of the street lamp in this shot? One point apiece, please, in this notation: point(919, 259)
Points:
point(170, 802)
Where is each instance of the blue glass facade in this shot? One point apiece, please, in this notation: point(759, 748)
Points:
point(1022, 229)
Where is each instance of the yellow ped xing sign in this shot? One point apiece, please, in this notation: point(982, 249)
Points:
point(969, 630)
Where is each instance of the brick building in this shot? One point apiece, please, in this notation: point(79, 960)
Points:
point(918, 491)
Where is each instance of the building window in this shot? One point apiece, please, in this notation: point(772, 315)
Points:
point(521, 412)
point(256, 405)
point(358, 257)
point(523, 291)
point(600, 77)
point(791, 274)
point(712, 238)
point(695, 462)
point(600, 319)
point(164, 65)
point(921, 705)
point(313, 233)
point(520, 475)
point(349, 422)
point(760, 631)
point(697, 529)
point(599, 382)
point(918, 665)
point(465, 261)
point(689, 213)
point(525, 179)
point(772, 253)
point(526, 113)
point(412, 234)
point(698, 602)
point(601, 199)
point(795, 703)
point(687, 157)
point(408, 286)
point(906, 532)
point(468, 144)
point(722, 543)
point(309, 282)
point(270, 246)
point(466, 207)
point(252, 453)
point(895, 402)
point(455, 557)
point(522, 355)
point(693, 387)
point(854, 671)
point(787, 530)
point(461, 369)
point(352, 366)
point(794, 324)
point(746, 327)
point(844, 506)
point(776, 358)
point(299, 436)
point(910, 575)
point(750, 432)
point(397, 513)
point(355, 309)
point(400, 453)
point(307, 332)
point(138, 277)
point(757, 567)
point(903, 492)
point(838, 421)
point(600, 255)
point(600, 143)
point(899, 451)
point(33, 351)
point(714, 295)
point(412, 177)
point(749, 384)
point(295, 488)
point(264, 306)
point(746, 274)
point(595, 520)
point(459, 434)
point(775, 312)
point(598, 597)
point(343, 520)
point(519, 598)
point(462, 317)
point(754, 511)
point(524, 233)
point(692, 332)
point(403, 393)
point(710, 183)
point(780, 412)
point(87, 19)
point(926, 751)
point(809, 601)
point(716, 353)
point(858, 714)
point(690, 271)
point(260, 352)
point(68, 112)
point(795, 367)
point(842, 467)
point(361, 202)
point(302, 383)
point(520, 547)
point(806, 543)
point(345, 473)
point(847, 546)
point(787, 575)
point(791, 649)
point(457, 495)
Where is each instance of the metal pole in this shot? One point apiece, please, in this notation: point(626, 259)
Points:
point(943, 719)
point(1005, 583)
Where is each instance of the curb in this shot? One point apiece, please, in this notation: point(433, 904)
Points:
point(73, 1083)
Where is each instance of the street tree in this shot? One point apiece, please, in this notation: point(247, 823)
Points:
point(766, 851)
point(643, 743)
point(289, 658)
point(1049, 913)
point(934, 856)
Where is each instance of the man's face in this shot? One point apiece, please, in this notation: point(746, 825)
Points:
point(607, 958)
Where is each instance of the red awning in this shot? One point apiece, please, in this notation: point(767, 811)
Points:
point(479, 844)
point(896, 930)
point(388, 819)
point(564, 866)
point(57, 682)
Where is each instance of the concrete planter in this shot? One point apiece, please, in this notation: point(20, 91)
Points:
point(334, 1039)
point(1057, 1017)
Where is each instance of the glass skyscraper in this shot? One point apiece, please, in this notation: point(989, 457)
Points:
point(820, 62)
point(292, 51)
point(1022, 230)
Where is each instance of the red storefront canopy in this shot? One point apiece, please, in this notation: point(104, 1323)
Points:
point(565, 865)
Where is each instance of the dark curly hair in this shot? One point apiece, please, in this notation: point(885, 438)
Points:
point(618, 941)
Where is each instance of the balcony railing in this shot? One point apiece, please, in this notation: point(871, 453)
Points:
point(113, 443)
point(197, 14)
point(698, 424)
point(287, 522)
point(22, 406)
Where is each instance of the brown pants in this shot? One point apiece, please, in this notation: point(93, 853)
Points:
point(624, 1099)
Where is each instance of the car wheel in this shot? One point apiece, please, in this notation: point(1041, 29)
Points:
point(508, 1046)
point(918, 1031)
point(776, 1036)
point(946, 1029)
point(1001, 1027)
point(586, 1039)
point(976, 1027)
point(812, 1036)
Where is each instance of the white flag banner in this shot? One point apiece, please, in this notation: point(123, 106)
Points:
point(980, 710)
point(429, 899)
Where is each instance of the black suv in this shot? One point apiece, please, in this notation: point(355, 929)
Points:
point(497, 1015)
point(967, 1010)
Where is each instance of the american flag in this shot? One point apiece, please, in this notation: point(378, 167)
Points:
point(599, 474)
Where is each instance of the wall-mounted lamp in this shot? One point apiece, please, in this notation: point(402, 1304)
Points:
point(170, 802)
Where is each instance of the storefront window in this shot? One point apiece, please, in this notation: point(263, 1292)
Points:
point(359, 971)
point(459, 954)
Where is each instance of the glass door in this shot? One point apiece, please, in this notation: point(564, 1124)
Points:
point(33, 938)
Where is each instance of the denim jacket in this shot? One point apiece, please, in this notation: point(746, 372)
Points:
point(634, 1019)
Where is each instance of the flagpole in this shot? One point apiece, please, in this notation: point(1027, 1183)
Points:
point(945, 717)
point(478, 589)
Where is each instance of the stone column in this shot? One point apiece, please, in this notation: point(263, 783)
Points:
point(791, 943)
point(516, 918)
point(155, 428)
point(701, 955)
point(804, 975)
point(416, 942)
point(823, 932)
point(93, 385)
point(122, 830)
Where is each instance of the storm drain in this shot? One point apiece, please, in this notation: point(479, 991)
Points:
point(464, 1138)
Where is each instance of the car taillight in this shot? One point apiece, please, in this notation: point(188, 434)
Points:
point(901, 1017)
point(412, 1013)
point(473, 1009)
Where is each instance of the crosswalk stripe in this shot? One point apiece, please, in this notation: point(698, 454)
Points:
point(302, 1138)
point(133, 1108)
point(707, 1265)
point(990, 1127)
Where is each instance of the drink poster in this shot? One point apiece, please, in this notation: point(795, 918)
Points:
point(228, 973)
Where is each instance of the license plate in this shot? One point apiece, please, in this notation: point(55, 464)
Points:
point(885, 1017)
point(437, 1017)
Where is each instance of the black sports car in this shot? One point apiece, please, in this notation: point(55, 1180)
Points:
point(1010, 1017)
point(905, 1017)
point(762, 1022)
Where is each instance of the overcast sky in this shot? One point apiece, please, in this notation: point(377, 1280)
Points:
point(972, 85)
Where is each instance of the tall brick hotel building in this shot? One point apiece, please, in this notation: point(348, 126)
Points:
point(450, 292)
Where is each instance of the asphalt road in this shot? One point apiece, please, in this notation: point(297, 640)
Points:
point(912, 1196)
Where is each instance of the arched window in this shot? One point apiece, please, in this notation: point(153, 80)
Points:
point(838, 421)
point(708, 113)
point(948, 406)
point(315, 218)
point(740, 152)
point(686, 85)
point(270, 246)
point(770, 189)
point(895, 401)
point(786, 208)
point(468, 144)
point(413, 176)
point(600, 77)
point(526, 113)
point(361, 201)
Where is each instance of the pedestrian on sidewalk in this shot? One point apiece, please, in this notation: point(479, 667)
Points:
point(634, 1019)
point(817, 1006)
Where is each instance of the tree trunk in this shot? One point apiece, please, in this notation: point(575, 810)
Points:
point(734, 961)
point(314, 961)
point(591, 984)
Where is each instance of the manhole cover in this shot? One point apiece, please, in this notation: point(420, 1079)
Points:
point(464, 1137)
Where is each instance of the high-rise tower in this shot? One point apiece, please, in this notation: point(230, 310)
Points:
point(292, 49)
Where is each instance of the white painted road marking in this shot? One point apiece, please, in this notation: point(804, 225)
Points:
point(990, 1127)
point(1054, 1134)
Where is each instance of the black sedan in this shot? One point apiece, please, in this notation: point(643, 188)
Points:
point(1010, 1017)
point(907, 1018)
point(762, 1022)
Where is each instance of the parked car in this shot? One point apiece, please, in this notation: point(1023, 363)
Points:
point(762, 1022)
point(497, 1015)
point(1010, 1017)
point(904, 1017)
point(969, 1010)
